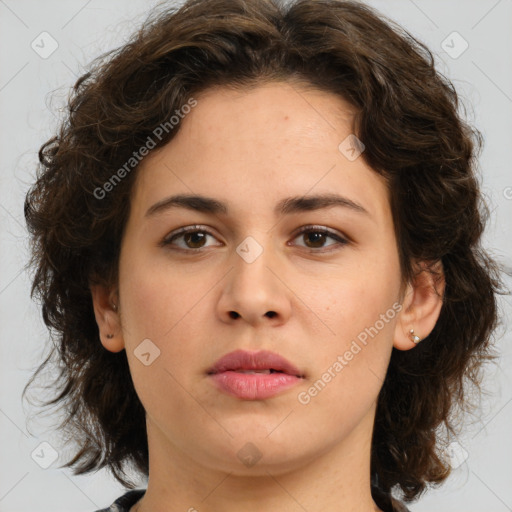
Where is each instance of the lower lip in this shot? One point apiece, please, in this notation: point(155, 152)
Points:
point(254, 386)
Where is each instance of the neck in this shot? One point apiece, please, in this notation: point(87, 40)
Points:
point(337, 479)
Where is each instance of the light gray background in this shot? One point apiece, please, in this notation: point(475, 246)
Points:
point(31, 91)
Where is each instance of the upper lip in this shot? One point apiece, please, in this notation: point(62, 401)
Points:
point(261, 360)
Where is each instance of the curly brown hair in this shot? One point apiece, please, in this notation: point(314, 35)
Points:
point(407, 118)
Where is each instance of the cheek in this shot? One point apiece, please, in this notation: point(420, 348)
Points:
point(158, 306)
point(358, 315)
point(351, 365)
point(357, 300)
point(155, 298)
point(162, 306)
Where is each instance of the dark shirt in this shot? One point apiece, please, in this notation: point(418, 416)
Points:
point(123, 504)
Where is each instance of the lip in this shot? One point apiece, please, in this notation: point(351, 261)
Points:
point(228, 374)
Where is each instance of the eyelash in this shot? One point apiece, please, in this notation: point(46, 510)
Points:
point(167, 241)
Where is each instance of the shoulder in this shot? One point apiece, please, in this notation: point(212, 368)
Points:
point(125, 502)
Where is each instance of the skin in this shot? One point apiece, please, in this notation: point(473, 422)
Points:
point(250, 149)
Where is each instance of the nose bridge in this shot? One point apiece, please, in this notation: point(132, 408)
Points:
point(253, 288)
point(252, 259)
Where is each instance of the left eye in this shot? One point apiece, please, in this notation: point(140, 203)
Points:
point(317, 237)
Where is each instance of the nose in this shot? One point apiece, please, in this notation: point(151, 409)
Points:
point(255, 289)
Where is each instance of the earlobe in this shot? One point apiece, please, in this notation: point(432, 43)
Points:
point(107, 317)
point(422, 305)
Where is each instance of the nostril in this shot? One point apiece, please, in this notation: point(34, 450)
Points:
point(270, 314)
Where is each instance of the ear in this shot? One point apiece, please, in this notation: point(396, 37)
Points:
point(423, 299)
point(106, 311)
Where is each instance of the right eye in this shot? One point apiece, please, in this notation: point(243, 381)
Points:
point(193, 238)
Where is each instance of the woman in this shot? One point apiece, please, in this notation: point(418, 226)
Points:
point(257, 238)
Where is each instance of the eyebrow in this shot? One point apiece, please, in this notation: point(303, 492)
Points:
point(286, 206)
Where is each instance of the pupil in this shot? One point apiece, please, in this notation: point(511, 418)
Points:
point(317, 238)
point(189, 238)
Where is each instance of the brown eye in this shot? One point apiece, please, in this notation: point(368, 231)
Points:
point(190, 238)
point(315, 238)
point(194, 240)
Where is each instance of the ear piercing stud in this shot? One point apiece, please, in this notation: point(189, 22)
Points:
point(414, 338)
point(110, 336)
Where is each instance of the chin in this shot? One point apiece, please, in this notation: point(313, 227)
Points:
point(259, 455)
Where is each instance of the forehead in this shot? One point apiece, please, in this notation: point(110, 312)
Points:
point(284, 109)
point(262, 142)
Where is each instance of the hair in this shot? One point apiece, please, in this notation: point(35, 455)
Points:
point(407, 118)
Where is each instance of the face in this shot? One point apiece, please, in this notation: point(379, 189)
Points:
point(317, 283)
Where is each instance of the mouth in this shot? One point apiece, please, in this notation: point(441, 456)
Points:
point(254, 375)
point(264, 362)
point(267, 371)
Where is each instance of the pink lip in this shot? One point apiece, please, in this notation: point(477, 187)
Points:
point(227, 374)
